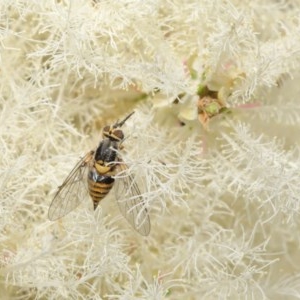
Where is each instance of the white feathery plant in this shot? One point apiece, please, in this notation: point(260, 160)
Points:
point(214, 145)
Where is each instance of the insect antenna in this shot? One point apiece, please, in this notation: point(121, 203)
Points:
point(120, 124)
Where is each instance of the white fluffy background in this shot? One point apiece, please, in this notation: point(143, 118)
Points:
point(224, 204)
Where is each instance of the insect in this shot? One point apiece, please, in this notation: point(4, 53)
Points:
point(94, 175)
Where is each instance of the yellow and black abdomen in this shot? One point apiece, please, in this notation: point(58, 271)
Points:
point(99, 186)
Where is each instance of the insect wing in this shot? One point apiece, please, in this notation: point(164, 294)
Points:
point(131, 203)
point(72, 191)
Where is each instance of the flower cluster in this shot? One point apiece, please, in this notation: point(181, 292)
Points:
point(222, 194)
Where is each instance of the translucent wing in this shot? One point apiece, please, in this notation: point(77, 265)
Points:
point(72, 191)
point(131, 203)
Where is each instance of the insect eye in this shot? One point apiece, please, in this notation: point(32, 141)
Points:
point(106, 130)
point(118, 134)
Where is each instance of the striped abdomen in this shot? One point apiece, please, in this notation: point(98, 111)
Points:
point(99, 186)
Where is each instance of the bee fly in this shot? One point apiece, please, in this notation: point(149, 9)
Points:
point(102, 165)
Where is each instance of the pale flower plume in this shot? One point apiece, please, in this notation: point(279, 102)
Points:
point(223, 193)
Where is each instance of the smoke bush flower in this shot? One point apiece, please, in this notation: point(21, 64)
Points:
point(223, 196)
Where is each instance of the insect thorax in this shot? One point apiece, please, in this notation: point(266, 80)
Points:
point(105, 156)
point(106, 151)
